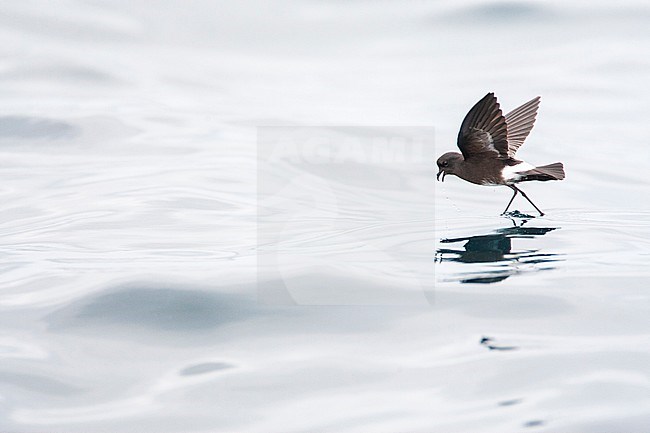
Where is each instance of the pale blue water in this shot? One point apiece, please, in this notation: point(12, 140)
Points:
point(137, 290)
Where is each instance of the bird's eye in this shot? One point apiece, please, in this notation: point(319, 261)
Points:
point(445, 163)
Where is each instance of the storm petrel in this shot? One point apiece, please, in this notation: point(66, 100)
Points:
point(488, 141)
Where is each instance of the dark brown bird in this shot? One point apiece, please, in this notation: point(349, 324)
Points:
point(488, 141)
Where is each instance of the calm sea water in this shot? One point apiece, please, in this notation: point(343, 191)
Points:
point(152, 282)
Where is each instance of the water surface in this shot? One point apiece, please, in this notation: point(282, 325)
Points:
point(135, 293)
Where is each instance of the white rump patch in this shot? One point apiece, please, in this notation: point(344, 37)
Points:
point(511, 173)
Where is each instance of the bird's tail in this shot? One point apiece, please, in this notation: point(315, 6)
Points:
point(553, 171)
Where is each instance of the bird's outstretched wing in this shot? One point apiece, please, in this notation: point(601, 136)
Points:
point(484, 131)
point(520, 121)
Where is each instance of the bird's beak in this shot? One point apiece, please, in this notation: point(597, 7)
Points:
point(441, 172)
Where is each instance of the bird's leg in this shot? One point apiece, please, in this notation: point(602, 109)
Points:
point(526, 197)
point(513, 197)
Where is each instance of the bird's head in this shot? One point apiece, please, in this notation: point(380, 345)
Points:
point(448, 164)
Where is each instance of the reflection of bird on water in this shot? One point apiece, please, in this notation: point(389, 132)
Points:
point(495, 248)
